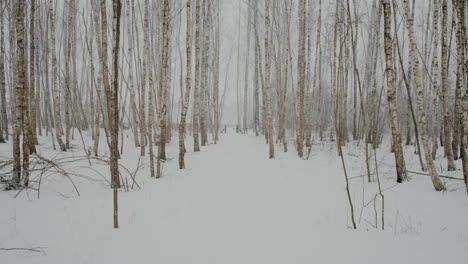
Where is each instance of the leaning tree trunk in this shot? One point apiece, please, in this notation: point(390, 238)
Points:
point(392, 94)
point(438, 185)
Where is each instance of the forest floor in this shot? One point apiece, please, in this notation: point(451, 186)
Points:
point(233, 205)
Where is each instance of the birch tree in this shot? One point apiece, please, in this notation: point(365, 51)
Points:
point(268, 115)
point(188, 83)
point(55, 85)
point(392, 94)
point(164, 69)
point(32, 91)
point(301, 66)
point(196, 96)
point(435, 79)
point(3, 102)
point(114, 110)
point(422, 123)
point(20, 93)
point(133, 105)
point(444, 87)
point(461, 108)
point(204, 71)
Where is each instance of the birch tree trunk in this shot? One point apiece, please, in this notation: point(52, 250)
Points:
point(392, 95)
point(308, 82)
point(461, 109)
point(246, 74)
point(216, 77)
point(20, 93)
point(204, 71)
point(55, 86)
point(4, 113)
point(111, 92)
point(32, 80)
point(188, 84)
point(435, 78)
point(21, 71)
point(196, 96)
point(114, 111)
point(438, 185)
point(256, 74)
point(99, 97)
point(444, 85)
point(143, 78)
point(268, 115)
point(150, 127)
point(68, 99)
point(164, 69)
point(133, 105)
point(301, 66)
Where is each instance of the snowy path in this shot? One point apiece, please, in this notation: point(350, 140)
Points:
point(232, 205)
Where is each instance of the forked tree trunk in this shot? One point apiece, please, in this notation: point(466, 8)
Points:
point(438, 185)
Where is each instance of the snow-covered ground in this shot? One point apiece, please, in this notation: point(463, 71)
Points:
point(234, 205)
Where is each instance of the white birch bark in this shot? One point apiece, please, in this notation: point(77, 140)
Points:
point(422, 123)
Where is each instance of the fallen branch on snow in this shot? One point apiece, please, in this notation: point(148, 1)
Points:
point(442, 176)
point(34, 249)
